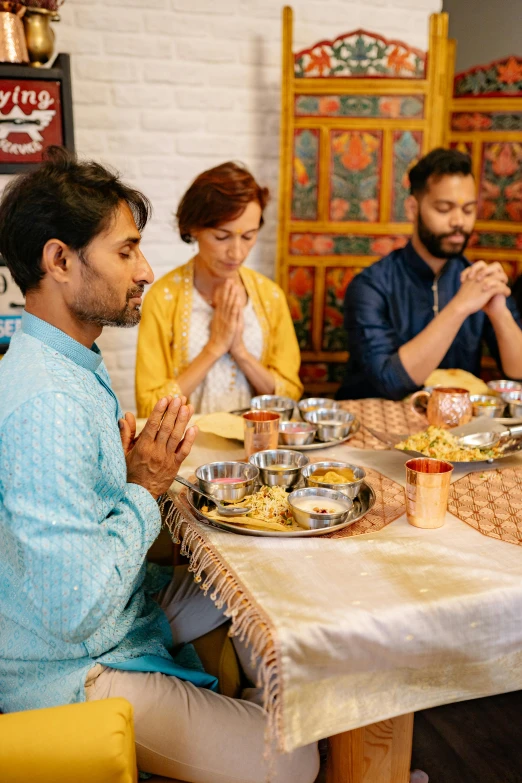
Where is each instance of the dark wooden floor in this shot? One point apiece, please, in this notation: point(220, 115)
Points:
point(477, 741)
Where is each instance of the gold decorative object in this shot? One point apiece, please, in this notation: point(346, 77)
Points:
point(13, 48)
point(39, 34)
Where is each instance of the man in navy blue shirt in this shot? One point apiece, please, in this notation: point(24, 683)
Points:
point(425, 306)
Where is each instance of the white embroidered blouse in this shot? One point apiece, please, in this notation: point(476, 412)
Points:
point(225, 387)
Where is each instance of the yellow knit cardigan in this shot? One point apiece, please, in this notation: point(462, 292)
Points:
point(163, 337)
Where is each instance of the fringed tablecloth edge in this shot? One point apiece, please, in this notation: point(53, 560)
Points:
point(248, 622)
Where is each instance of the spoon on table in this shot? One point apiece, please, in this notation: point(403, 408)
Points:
point(226, 511)
point(490, 439)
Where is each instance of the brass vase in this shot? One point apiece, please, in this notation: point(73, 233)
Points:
point(12, 39)
point(39, 34)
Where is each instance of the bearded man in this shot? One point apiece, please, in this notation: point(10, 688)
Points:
point(82, 616)
point(425, 306)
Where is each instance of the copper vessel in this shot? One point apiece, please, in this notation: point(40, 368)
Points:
point(13, 48)
point(427, 491)
point(39, 34)
point(446, 407)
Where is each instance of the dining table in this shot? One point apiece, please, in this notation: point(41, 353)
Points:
point(355, 631)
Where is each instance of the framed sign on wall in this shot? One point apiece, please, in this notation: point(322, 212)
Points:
point(11, 306)
point(35, 112)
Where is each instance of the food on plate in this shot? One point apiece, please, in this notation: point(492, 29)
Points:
point(228, 480)
point(333, 476)
point(319, 505)
point(485, 403)
point(441, 444)
point(457, 378)
point(226, 425)
point(279, 468)
point(268, 508)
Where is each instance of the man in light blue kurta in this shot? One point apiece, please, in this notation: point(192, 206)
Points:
point(81, 616)
point(75, 532)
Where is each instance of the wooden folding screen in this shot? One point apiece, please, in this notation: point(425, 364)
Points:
point(357, 112)
point(486, 121)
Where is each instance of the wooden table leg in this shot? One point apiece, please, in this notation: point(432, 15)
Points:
point(380, 753)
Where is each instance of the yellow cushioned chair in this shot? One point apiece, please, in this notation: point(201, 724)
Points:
point(93, 742)
point(77, 743)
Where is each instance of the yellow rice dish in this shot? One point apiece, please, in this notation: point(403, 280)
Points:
point(441, 444)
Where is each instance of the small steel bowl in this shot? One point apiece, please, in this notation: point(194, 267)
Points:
point(487, 405)
point(316, 521)
point(514, 401)
point(501, 387)
point(246, 475)
point(314, 403)
point(271, 402)
point(331, 424)
point(296, 433)
point(265, 462)
point(350, 488)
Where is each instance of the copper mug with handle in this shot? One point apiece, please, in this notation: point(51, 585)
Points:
point(446, 406)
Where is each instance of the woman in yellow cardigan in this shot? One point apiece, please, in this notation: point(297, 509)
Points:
point(213, 330)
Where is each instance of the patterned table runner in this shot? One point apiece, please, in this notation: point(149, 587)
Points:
point(382, 415)
point(389, 505)
point(491, 502)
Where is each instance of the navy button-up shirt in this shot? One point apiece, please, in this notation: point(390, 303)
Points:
point(387, 305)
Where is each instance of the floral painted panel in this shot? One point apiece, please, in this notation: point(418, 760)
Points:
point(495, 241)
point(336, 282)
point(462, 146)
point(501, 182)
point(305, 174)
point(344, 245)
point(407, 147)
point(503, 77)
point(495, 121)
point(360, 54)
point(300, 300)
point(322, 372)
point(355, 175)
point(386, 106)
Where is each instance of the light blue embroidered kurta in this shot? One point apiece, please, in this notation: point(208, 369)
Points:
point(74, 589)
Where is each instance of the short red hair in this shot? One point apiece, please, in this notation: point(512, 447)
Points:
point(217, 196)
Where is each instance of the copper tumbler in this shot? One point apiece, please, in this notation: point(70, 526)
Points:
point(427, 491)
point(261, 431)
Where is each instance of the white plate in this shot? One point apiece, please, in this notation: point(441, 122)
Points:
point(318, 444)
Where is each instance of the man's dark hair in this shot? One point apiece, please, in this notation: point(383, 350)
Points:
point(438, 163)
point(64, 199)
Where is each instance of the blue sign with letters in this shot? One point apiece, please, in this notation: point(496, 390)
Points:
point(8, 326)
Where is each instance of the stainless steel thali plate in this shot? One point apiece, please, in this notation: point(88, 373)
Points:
point(361, 506)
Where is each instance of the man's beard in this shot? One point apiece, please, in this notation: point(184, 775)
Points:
point(96, 304)
point(433, 242)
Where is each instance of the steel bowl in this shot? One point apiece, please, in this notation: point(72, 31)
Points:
point(315, 403)
point(296, 433)
point(315, 521)
point(514, 402)
point(350, 488)
point(331, 424)
point(266, 462)
point(271, 402)
point(245, 474)
point(503, 387)
point(487, 405)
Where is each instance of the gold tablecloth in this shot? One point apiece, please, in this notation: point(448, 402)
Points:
point(355, 630)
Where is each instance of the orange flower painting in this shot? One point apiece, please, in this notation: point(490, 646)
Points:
point(319, 61)
point(354, 175)
point(399, 60)
point(501, 186)
point(511, 72)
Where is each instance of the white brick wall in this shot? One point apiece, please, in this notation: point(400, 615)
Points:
point(166, 88)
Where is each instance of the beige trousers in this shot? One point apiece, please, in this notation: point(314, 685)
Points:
point(191, 733)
